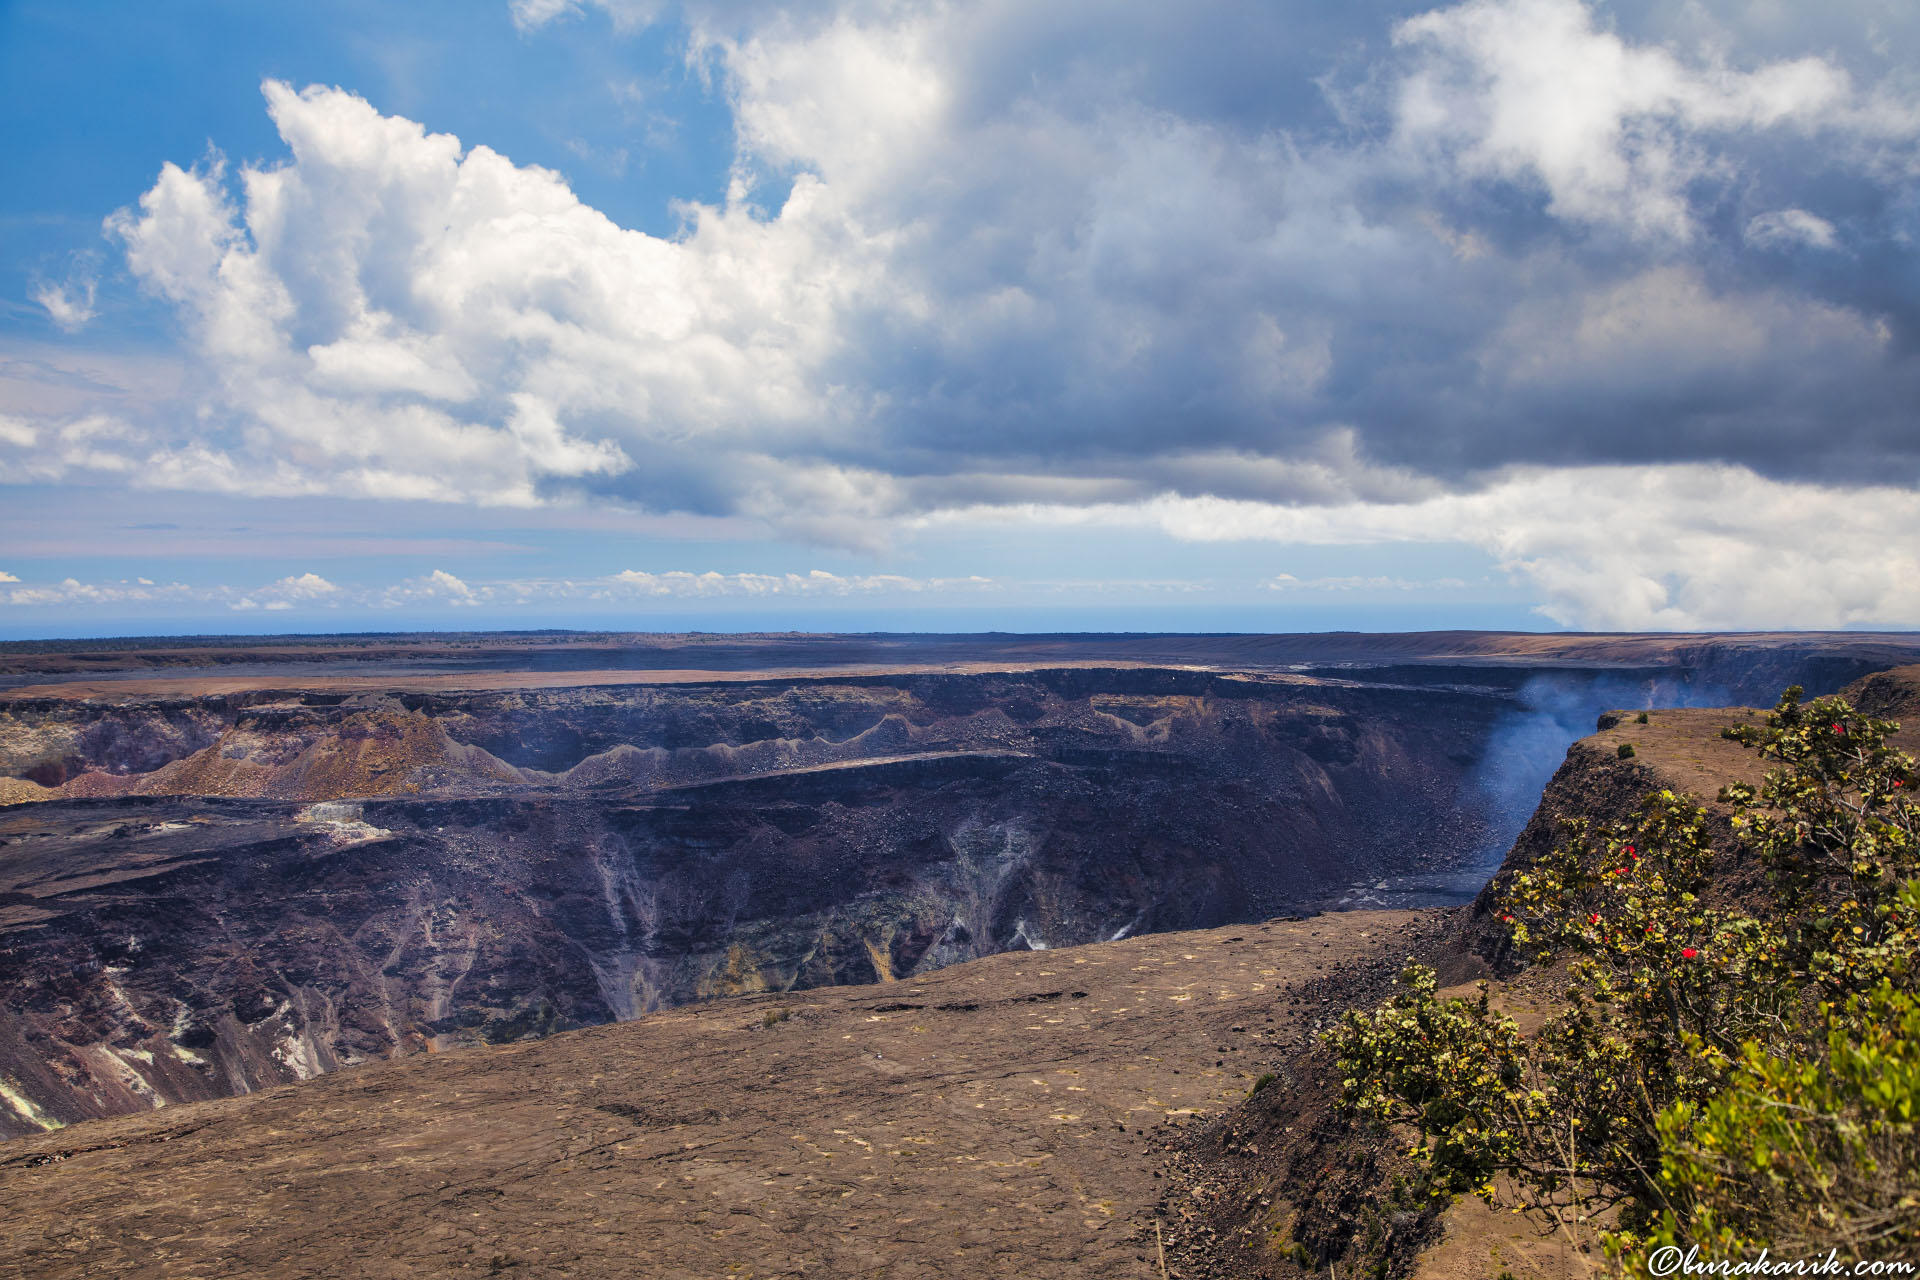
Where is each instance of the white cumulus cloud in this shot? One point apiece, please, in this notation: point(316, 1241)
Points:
point(1676, 548)
point(303, 588)
point(1614, 132)
point(70, 306)
point(70, 591)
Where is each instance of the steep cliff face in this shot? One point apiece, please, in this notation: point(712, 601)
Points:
point(1677, 749)
point(1592, 785)
point(211, 896)
point(1893, 694)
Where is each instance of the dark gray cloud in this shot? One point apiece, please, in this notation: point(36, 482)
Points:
point(1137, 240)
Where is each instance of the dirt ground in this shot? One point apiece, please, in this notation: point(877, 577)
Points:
point(1685, 749)
point(1001, 1118)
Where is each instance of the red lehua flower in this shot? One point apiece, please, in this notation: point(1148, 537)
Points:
point(1629, 851)
point(1594, 918)
point(1688, 953)
point(1839, 728)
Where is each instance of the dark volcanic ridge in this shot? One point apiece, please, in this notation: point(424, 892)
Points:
point(454, 660)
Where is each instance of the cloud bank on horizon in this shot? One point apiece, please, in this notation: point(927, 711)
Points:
point(1623, 297)
point(310, 590)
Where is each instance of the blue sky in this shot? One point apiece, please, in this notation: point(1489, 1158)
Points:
point(1504, 313)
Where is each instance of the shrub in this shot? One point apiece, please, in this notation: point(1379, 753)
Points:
point(1808, 1153)
point(1721, 1078)
point(1626, 751)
